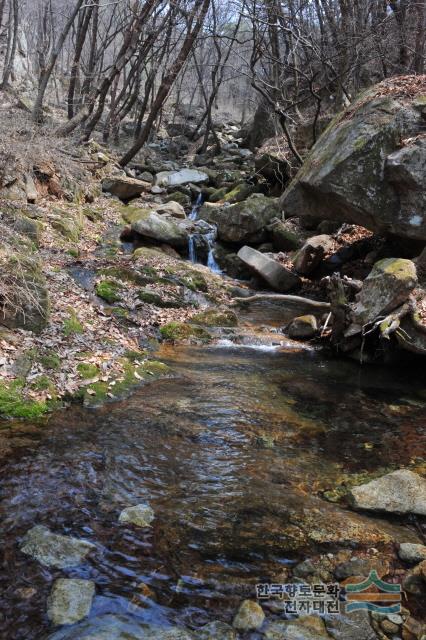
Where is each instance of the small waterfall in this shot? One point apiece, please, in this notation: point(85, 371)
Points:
point(194, 211)
point(211, 261)
point(192, 252)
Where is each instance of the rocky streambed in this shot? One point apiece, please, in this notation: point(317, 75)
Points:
point(155, 517)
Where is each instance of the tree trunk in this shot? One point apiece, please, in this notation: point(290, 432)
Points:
point(168, 80)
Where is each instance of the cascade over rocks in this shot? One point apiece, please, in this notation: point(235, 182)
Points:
point(369, 166)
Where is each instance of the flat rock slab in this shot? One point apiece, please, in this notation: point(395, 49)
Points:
point(141, 515)
point(70, 601)
point(53, 550)
point(277, 276)
point(161, 228)
point(401, 491)
point(176, 178)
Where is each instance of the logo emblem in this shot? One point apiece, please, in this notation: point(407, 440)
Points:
point(373, 595)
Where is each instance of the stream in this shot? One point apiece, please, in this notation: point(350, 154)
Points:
point(231, 453)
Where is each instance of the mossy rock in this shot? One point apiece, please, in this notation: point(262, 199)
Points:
point(69, 226)
point(135, 374)
point(216, 318)
point(151, 297)
point(179, 197)
point(175, 331)
point(28, 307)
point(108, 290)
point(132, 213)
point(123, 273)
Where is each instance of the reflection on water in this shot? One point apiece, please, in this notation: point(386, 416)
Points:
point(232, 456)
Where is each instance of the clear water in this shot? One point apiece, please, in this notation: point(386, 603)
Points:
point(236, 425)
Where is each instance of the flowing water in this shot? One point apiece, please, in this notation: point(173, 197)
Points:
point(232, 453)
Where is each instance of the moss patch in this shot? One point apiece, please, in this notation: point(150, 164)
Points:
point(108, 290)
point(72, 325)
point(13, 404)
point(87, 370)
point(50, 360)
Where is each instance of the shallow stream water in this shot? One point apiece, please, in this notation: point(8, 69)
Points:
point(231, 454)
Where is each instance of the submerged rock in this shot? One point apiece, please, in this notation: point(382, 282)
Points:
point(250, 616)
point(216, 631)
point(120, 627)
point(274, 273)
point(401, 491)
point(53, 550)
point(304, 628)
point(351, 626)
point(70, 600)
point(357, 171)
point(387, 287)
point(141, 515)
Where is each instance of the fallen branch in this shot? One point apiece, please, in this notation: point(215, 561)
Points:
point(286, 298)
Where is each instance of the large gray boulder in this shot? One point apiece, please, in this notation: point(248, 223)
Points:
point(161, 228)
point(244, 222)
point(274, 273)
point(359, 171)
point(401, 491)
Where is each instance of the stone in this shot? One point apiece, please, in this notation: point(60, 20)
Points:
point(244, 222)
point(70, 600)
point(283, 236)
point(54, 550)
point(176, 178)
point(216, 631)
point(357, 171)
point(250, 616)
point(275, 274)
point(388, 286)
point(303, 327)
point(309, 257)
point(163, 229)
point(181, 198)
point(30, 188)
point(120, 627)
point(401, 491)
point(304, 628)
point(389, 627)
point(415, 580)
point(361, 567)
point(125, 188)
point(410, 552)
point(272, 164)
point(140, 515)
point(171, 208)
